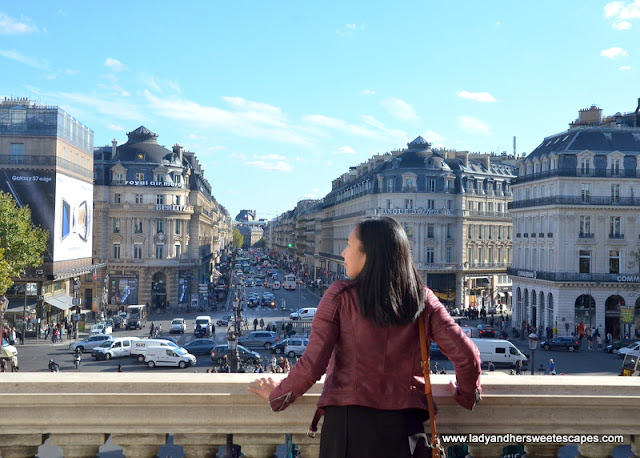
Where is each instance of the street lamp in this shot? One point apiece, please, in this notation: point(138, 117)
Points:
point(234, 332)
point(533, 343)
point(4, 303)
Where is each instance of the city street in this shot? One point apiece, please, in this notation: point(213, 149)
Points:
point(34, 355)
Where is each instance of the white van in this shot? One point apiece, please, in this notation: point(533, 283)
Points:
point(499, 352)
point(116, 348)
point(296, 346)
point(165, 356)
point(206, 324)
point(305, 314)
point(139, 347)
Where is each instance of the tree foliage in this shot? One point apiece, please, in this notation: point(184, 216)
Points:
point(238, 238)
point(21, 243)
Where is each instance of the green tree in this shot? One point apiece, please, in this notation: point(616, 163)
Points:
point(21, 243)
point(238, 239)
point(262, 243)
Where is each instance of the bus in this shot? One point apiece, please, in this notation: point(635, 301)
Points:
point(289, 282)
point(630, 366)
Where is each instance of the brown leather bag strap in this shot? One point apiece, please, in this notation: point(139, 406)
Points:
point(436, 447)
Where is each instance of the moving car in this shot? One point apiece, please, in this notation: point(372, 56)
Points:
point(8, 347)
point(485, 330)
point(200, 346)
point(164, 356)
point(296, 346)
point(614, 347)
point(204, 324)
point(279, 347)
point(224, 321)
point(115, 348)
point(561, 343)
point(101, 328)
point(90, 342)
point(305, 314)
point(631, 348)
point(246, 356)
point(259, 339)
point(178, 325)
point(499, 352)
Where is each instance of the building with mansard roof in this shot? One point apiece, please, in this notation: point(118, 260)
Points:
point(576, 228)
point(452, 205)
point(159, 229)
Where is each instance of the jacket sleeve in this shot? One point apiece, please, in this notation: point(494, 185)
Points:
point(313, 363)
point(456, 346)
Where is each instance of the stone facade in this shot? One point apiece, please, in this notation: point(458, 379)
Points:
point(158, 228)
point(576, 229)
point(452, 204)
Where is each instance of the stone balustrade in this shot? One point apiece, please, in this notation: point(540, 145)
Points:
point(78, 411)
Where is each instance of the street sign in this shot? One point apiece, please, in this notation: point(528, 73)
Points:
point(75, 301)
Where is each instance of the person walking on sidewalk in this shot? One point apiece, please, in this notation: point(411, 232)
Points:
point(552, 367)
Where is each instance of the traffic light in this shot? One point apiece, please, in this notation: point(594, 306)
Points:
point(290, 245)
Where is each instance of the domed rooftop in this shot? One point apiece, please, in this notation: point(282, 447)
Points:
point(142, 146)
point(418, 151)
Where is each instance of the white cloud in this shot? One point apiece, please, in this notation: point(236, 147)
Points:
point(477, 96)
point(380, 132)
point(348, 29)
point(241, 156)
point(114, 64)
point(613, 52)
point(624, 67)
point(116, 127)
point(622, 25)
point(35, 62)
point(271, 166)
point(436, 139)
point(621, 13)
point(400, 109)
point(309, 195)
point(12, 26)
point(367, 92)
point(247, 119)
point(102, 105)
point(472, 125)
point(344, 150)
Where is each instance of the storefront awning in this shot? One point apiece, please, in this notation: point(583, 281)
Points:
point(62, 302)
point(17, 307)
point(500, 294)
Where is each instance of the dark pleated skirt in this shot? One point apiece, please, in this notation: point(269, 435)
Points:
point(356, 431)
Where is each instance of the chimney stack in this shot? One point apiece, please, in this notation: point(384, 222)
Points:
point(114, 143)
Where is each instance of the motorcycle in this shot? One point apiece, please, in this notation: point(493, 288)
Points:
point(76, 359)
point(53, 366)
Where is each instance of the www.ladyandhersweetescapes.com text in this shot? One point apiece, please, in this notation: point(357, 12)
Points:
point(533, 438)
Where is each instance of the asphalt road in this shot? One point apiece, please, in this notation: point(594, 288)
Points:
point(34, 356)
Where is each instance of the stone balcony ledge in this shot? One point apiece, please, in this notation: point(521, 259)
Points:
point(77, 411)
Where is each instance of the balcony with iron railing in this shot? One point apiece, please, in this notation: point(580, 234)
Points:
point(576, 200)
point(574, 276)
point(136, 412)
point(573, 172)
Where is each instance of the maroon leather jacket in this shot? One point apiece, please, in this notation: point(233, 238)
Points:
point(375, 366)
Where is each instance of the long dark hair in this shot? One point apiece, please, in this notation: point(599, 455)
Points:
point(389, 288)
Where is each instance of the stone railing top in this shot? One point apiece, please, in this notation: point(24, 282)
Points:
point(78, 410)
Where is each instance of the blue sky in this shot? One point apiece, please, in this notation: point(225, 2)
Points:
point(278, 99)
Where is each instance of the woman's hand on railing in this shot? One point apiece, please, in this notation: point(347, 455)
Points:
point(264, 387)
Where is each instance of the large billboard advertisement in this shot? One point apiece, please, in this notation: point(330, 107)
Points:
point(37, 191)
point(73, 219)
